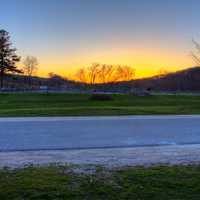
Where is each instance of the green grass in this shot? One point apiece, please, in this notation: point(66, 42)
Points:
point(79, 104)
point(56, 183)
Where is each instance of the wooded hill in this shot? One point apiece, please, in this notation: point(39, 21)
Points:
point(184, 80)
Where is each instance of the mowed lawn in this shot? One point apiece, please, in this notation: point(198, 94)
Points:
point(33, 104)
point(48, 183)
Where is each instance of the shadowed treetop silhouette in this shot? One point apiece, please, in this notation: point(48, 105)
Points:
point(104, 73)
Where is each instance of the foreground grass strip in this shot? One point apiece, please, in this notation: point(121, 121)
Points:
point(54, 182)
point(81, 105)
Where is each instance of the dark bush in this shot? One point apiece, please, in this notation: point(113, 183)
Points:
point(101, 97)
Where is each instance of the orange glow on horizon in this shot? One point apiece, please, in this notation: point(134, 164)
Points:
point(146, 62)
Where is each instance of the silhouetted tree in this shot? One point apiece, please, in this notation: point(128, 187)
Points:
point(194, 56)
point(124, 73)
point(81, 75)
point(8, 57)
point(30, 67)
point(106, 73)
point(93, 72)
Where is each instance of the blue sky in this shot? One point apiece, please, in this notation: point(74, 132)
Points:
point(66, 34)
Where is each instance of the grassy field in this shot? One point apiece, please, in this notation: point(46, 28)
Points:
point(79, 104)
point(59, 183)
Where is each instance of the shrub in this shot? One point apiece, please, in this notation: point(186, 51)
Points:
point(101, 97)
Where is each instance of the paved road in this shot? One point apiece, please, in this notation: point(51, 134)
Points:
point(97, 132)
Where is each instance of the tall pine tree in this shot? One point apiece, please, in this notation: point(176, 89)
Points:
point(8, 57)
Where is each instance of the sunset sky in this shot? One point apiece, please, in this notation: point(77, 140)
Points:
point(64, 35)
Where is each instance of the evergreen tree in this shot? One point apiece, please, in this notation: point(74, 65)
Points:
point(8, 56)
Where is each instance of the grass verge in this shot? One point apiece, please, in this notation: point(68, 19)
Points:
point(81, 105)
point(54, 182)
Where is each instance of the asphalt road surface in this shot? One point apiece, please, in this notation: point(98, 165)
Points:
point(57, 133)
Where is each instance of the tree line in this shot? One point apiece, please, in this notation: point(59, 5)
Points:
point(105, 73)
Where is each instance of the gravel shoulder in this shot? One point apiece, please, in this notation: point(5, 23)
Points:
point(110, 157)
